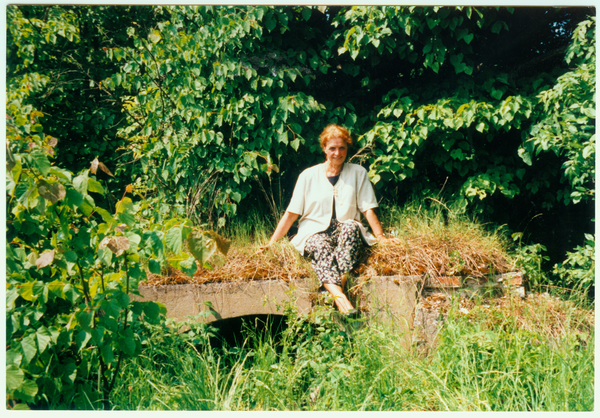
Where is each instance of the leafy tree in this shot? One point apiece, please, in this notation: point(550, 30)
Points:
point(69, 50)
point(210, 110)
point(72, 267)
point(241, 93)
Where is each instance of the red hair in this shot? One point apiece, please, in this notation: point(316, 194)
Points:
point(335, 131)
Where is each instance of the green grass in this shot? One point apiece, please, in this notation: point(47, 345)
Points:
point(536, 355)
point(504, 355)
point(252, 229)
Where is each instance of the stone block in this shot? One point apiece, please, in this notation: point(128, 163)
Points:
point(228, 299)
point(391, 300)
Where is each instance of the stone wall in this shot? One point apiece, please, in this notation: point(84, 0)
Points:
point(393, 300)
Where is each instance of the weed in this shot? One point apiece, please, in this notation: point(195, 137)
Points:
point(503, 354)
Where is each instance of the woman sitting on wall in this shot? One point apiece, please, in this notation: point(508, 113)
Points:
point(328, 199)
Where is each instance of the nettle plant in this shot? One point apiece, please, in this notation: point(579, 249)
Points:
point(72, 268)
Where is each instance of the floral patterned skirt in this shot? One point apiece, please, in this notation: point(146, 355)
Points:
point(335, 251)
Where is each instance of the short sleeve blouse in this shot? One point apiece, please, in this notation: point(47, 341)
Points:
point(313, 201)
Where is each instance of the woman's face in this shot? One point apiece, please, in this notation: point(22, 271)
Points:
point(336, 150)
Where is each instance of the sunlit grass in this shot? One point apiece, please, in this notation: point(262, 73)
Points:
point(434, 239)
point(504, 355)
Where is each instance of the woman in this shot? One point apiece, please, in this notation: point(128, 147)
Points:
point(328, 199)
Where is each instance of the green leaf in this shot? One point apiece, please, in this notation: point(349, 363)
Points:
point(201, 246)
point(43, 338)
point(154, 267)
point(295, 144)
point(81, 339)
point(29, 348)
point(95, 186)
point(122, 299)
point(28, 390)
point(14, 377)
point(188, 266)
point(126, 218)
point(127, 342)
point(73, 198)
point(134, 242)
point(40, 161)
point(174, 240)
point(151, 310)
point(30, 291)
point(306, 13)
point(87, 206)
point(154, 243)
point(154, 37)
point(80, 183)
point(270, 22)
point(497, 27)
point(111, 309)
point(497, 94)
point(283, 137)
point(106, 350)
point(14, 357)
point(84, 319)
point(106, 216)
point(125, 205)
point(69, 371)
point(525, 156)
point(11, 296)
point(245, 171)
point(588, 151)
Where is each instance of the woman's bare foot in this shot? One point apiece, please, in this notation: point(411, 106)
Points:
point(339, 298)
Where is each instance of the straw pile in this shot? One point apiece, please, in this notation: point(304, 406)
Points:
point(281, 262)
point(461, 254)
point(457, 255)
point(434, 242)
point(538, 311)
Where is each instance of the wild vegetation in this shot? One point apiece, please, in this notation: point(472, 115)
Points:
point(502, 355)
point(135, 132)
point(435, 241)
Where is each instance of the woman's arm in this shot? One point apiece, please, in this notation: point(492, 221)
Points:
point(374, 223)
point(284, 225)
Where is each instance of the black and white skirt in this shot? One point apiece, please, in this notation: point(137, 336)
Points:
point(335, 251)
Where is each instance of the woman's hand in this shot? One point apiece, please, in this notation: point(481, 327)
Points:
point(262, 249)
point(282, 229)
point(382, 239)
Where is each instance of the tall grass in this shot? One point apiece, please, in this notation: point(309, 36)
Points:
point(504, 355)
point(435, 239)
point(255, 227)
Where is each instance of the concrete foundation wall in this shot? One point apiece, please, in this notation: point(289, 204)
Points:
point(228, 300)
point(386, 299)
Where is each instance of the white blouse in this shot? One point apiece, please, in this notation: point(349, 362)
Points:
point(313, 201)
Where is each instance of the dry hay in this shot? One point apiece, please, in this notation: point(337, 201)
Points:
point(538, 313)
point(465, 252)
point(554, 317)
point(281, 262)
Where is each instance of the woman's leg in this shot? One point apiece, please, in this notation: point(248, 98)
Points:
point(348, 246)
point(339, 298)
point(321, 248)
